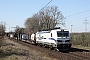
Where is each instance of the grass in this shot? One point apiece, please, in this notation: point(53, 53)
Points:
point(81, 47)
point(8, 52)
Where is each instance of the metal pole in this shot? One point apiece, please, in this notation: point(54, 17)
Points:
point(71, 28)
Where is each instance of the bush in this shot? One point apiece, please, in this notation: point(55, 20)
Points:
point(80, 39)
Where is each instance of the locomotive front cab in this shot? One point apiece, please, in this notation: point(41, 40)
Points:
point(63, 39)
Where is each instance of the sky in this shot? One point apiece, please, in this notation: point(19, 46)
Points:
point(15, 12)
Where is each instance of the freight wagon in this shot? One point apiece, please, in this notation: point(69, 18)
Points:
point(23, 37)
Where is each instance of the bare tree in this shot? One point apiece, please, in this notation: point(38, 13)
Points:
point(2, 28)
point(19, 30)
point(32, 24)
point(47, 18)
point(50, 17)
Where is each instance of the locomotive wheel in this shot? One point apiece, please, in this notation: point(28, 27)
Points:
point(51, 47)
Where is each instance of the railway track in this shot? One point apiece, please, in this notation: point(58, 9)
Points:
point(73, 54)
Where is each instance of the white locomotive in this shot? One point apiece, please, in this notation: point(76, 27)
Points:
point(54, 39)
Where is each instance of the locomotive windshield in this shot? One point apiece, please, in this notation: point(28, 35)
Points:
point(62, 33)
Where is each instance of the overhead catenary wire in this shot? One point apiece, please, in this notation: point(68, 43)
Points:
point(78, 19)
point(78, 7)
point(44, 7)
point(46, 4)
point(78, 13)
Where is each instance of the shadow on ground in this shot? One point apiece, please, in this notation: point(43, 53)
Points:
point(74, 50)
point(78, 50)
